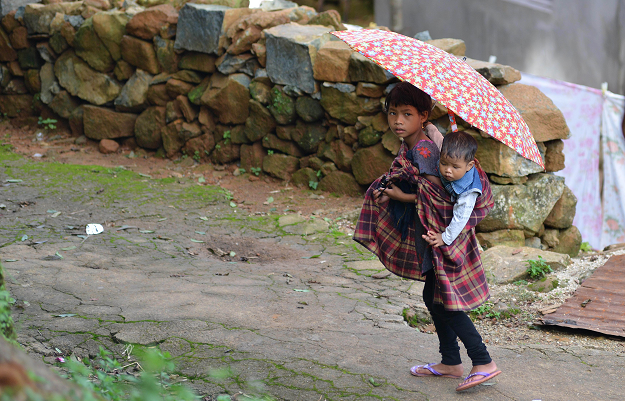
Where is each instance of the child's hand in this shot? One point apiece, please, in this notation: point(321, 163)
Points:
point(380, 197)
point(434, 239)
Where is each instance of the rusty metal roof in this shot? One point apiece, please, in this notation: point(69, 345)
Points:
point(598, 304)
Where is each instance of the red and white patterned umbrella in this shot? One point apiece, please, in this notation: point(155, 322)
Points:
point(449, 80)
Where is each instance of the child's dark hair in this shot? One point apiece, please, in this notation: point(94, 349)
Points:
point(459, 145)
point(408, 94)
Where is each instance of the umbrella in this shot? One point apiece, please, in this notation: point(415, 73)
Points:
point(449, 80)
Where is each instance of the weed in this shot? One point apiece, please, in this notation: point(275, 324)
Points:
point(318, 173)
point(270, 152)
point(48, 123)
point(520, 283)
point(255, 170)
point(487, 310)
point(538, 268)
point(196, 156)
point(313, 184)
point(227, 134)
point(242, 171)
point(585, 247)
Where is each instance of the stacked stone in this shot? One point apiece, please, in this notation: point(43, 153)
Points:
point(271, 90)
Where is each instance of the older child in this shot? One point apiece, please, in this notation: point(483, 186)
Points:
point(453, 275)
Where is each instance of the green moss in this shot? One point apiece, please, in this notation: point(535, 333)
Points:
point(7, 330)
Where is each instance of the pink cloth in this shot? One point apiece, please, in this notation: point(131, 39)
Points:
point(582, 108)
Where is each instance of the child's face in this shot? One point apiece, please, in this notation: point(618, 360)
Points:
point(406, 121)
point(454, 168)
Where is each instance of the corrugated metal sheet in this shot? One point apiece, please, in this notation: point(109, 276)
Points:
point(598, 304)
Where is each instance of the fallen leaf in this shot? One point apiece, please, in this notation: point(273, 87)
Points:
point(373, 382)
point(232, 204)
point(24, 237)
point(55, 214)
point(201, 180)
point(145, 175)
point(51, 211)
point(163, 219)
point(58, 254)
point(64, 315)
point(10, 260)
point(232, 254)
point(270, 200)
point(69, 248)
point(200, 232)
point(146, 231)
point(204, 218)
point(197, 240)
point(125, 227)
point(14, 181)
point(298, 290)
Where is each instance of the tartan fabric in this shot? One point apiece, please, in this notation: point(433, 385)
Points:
point(461, 283)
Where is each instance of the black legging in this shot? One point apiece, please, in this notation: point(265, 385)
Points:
point(453, 324)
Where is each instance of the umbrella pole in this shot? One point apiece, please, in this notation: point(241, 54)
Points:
point(452, 120)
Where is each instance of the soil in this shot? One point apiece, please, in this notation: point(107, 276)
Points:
point(263, 194)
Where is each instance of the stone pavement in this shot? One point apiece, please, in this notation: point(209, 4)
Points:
point(299, 318)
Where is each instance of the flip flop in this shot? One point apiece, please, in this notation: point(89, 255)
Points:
point(413, 371)
point(471, 384)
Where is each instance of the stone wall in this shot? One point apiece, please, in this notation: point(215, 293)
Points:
point(270, 90)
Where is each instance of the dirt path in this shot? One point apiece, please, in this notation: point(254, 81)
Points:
point(287, 303)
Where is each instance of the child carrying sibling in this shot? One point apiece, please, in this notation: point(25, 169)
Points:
point(436, 243)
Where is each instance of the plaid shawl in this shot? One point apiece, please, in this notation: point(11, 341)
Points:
point(461, 283)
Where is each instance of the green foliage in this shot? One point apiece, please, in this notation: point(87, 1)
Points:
point(585, 247)
point(227, 134)
point(313, 184)
point(538, 268)
point(255, 170)
point(270, 152)
point(102, 376)
point(487, 310)
point(48, 123)
point(242, 170)
point(7, 331)
point(319, 173)
point(196, 156)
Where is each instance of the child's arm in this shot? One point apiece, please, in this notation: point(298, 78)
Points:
point(462, 212)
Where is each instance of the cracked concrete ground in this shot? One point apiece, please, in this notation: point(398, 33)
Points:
point(297, 316)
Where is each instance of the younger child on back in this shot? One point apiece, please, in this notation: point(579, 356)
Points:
point(461, 179)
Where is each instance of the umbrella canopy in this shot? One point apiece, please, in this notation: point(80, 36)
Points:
point(449, 80)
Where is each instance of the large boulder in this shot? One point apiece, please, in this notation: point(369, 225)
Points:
point(291, 52)
point(16, 105)
point(523, 207)
point(569, 242)
point(342, 183)
point(309, 109)
point(80, 80)
point(259, 123)
point(308, 136)
point(563, 212)
point(134, 94)
point(140, 53)
point(545, 121)
point(228, 96)
point(252, 157)
point(361, 69)
point(339, 153)
point(505, 264)
point(271, 141)
point(64, 104)
point(282, 106)
point(497, 158)
point(197, 62)
point(514, 238)
point(345, 105)
point(148, 127)
point(110, 26)
point(167, 57)
point(368, 164)
point(147, 24)
point(496, 74)
point(280, 166)
point(554, 156)
point(200, 146)
point(91, 48)
point(7, 53)
point(172, 142)
point(103, 123)
point(457, 47)
point(200, 27)
point(38, 17)
point(226, 152)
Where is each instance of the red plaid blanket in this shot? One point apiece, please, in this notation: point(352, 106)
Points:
point(461, 283)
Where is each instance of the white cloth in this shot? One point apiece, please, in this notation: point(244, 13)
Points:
point(582, 108)
point(613, 152)
point(462, 211)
